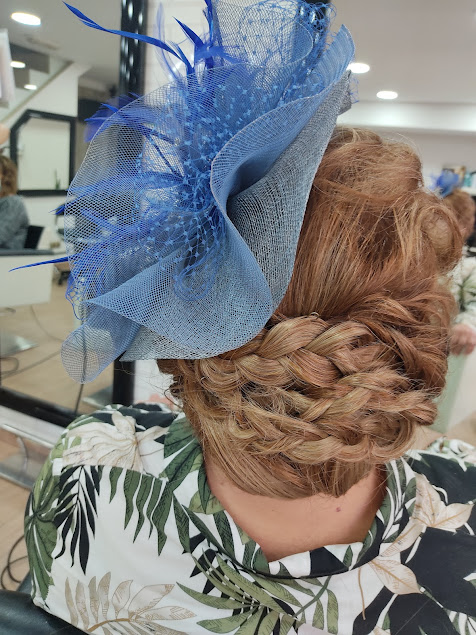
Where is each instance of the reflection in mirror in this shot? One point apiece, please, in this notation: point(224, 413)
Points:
point(35, 174)
point(72, 69)
point(40, 172)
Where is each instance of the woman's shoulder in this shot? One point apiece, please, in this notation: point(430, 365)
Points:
point(12, 199)
point(109, 469)
point(125, 437)
point(13, 203)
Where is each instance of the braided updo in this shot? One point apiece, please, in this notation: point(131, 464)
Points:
point(351, 362)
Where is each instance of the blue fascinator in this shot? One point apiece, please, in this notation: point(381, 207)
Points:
point(182, 223)
point(445, 184)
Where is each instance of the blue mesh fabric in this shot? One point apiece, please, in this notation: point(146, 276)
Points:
point(183, 221)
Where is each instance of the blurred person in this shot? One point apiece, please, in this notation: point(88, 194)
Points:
point(13, 215)
point(463, 279)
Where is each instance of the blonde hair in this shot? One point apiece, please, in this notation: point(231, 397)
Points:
point(350, 363)
point(8, 172)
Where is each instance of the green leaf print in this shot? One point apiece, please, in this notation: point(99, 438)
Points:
point(131, 484)
point(287, 624)
point(258, 612)
point(248, 554)
point(224, 624)
point(180, 434)
point(260, 562)
point(213, 505)
point(40, 538)
point(386, 509)
point(214, 601)
point(267, 625)
point(293, 584)
point(153, 500)
point(142, 496)
point(224, 531)
point(181, 465)
point(204, 490)
point(202, 528)
point(277, 589)
point(247, 586)
point(162, 510)
point(250, 627)
point(114, 475)
point(318, 618)
point(76, 509)
point(182, 523)
point(348, 557)
point(40, 529)
point(332, 613)
point(243, 536)
point(161, 541)
point(219, 580)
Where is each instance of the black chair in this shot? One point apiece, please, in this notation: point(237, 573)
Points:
point(33, 236)
point(19, 616)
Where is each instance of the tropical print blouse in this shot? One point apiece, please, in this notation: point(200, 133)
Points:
point(125, 536)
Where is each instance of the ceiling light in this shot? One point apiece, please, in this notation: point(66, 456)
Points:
point(15, 64)
point(387, 94)
point(30, 86)
point(359, 67)
point(26, 18)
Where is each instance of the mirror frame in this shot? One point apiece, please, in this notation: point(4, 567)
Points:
point(40, 114)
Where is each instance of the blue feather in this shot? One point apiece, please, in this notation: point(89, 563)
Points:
point(215, 51)
point(135, 36)
point(208, 13)
point(181, 55)
point(197, 40)
point(200, 46)
point(163, 57)
point(45, 262)
point(105, 111)
point(203, 50)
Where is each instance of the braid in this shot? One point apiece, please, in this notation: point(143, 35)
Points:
point(308, 395)
point(350, 364)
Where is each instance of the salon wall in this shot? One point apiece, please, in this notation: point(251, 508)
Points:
point(438, 150)
point(443, 134)
point(419, 117)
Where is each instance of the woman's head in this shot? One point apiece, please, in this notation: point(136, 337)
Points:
point(8, 176)
point(350, 363)
point(464, 209)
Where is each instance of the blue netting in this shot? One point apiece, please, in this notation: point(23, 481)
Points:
point(183, 220)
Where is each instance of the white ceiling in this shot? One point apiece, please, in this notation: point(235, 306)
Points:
point(75, 42)
point(423, 49)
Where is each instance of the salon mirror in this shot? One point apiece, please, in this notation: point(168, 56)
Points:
point(40, 172)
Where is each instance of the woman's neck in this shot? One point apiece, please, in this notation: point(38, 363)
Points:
point(283, 527)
